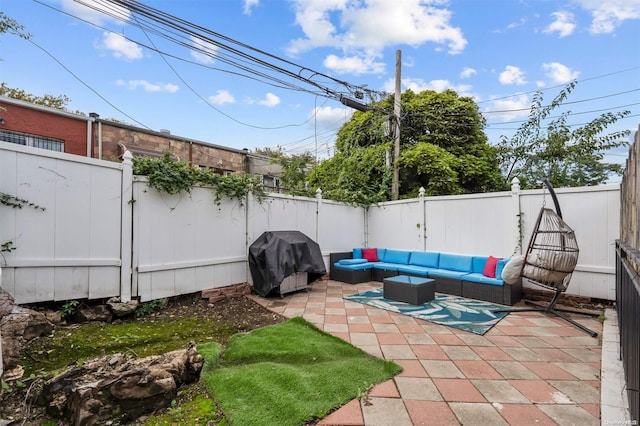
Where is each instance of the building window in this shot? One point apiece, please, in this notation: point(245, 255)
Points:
point(32, 140)
point(271, 183)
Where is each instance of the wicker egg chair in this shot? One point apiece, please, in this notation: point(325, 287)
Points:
point(550, 259)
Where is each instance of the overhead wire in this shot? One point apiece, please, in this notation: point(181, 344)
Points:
point(84, 83)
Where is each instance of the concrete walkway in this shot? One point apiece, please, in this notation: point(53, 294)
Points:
point(530, 369)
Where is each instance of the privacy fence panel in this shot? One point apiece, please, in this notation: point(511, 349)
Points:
point(185, 243)
point(629, 218)
point(340, 227)
point(71, 249)
point(396, 225)
point(592, 213)
point(475, 224)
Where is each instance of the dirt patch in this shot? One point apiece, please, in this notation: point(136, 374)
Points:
point(240, 313)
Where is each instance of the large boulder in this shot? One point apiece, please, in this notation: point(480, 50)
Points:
point(119, 388)
point(18, 325)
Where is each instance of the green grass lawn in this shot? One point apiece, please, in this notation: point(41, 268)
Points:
point(288, 374)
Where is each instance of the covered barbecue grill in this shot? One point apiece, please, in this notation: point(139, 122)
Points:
point(277, 255)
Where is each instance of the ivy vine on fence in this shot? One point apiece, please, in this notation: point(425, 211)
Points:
point(16, 203)
point(168, 175)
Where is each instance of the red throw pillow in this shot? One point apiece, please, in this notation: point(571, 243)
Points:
point(371, 254)
point(490, 267)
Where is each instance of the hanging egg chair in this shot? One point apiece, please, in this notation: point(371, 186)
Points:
point(550, 259)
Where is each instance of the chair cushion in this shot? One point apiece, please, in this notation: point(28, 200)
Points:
point(511, 271)
point(414, 270)
point(352, 261)
point(482, 279)
point(455, 262)
point(353, 267)
point(424, 258)
point(396, 256)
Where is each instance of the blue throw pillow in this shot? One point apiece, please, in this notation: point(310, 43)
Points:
point(357, 253)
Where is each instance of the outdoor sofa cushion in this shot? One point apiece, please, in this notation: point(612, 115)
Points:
point(482, 279)
point(455, 262)
point(396, 256)
point(424, 258)
point(352, 261)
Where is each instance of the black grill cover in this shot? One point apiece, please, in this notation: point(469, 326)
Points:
point(275, 255)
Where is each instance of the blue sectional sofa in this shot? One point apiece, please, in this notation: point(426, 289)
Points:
point(459, 275)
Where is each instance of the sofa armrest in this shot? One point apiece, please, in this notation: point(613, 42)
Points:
point(335, 257)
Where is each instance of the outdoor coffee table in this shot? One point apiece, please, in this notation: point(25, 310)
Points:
point(409, 289)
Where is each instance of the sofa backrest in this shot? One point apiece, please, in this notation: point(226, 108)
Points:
point(395, 256)
point(500, 267)
point(455, 262)
point(424, 258)
point(478, 263)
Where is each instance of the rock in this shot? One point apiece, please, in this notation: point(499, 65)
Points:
point(121, 309)
point(119, 388)
point(93, 313)
point(17, 327)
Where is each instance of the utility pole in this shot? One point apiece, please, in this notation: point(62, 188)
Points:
point(395, 184)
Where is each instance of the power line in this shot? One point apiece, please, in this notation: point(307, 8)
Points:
point(559, 85)
point(85, 84)
point(564, 103)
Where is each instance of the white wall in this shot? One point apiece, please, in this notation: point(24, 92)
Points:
point(71, 249)
point(184, 243)
point(594, 215)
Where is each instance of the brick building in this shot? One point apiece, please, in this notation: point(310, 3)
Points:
point(34, 125)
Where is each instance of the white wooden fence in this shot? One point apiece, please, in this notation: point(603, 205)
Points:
point(106, 233)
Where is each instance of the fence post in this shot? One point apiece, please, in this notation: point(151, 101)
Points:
point(516, 214)
point(318, 204)
point(126, 224)
point(423, 219)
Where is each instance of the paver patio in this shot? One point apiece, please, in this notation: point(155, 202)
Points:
point(528, 369)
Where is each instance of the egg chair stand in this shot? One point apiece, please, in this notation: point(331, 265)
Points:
point(550, 259)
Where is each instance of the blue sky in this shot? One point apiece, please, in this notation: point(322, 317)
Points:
point(498, 51)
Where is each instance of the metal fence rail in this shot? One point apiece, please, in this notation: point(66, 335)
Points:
point(628, 306)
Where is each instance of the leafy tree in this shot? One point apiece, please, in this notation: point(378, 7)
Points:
point(568, 158)
point(357, 176)
point(295, 169)
point(11, 26)
point(443, 149)
point(58, 102)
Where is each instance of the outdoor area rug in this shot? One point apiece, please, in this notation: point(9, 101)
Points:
point(471, 315)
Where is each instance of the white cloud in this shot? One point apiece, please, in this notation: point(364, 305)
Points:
point(559, 73)
point(353, 65)
point(511, 26)
point(329, 118)
point(468, 72)
point(93, 12)
point(222, 97)
point(512, 75)
point(511, 108)
point(248, 5)
point(564, 24)
point(418, 85)
point(270, 100)
point(148, 87)
point(609, 14)
point(204, 51)
point(120, 47)
point(371, 26)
